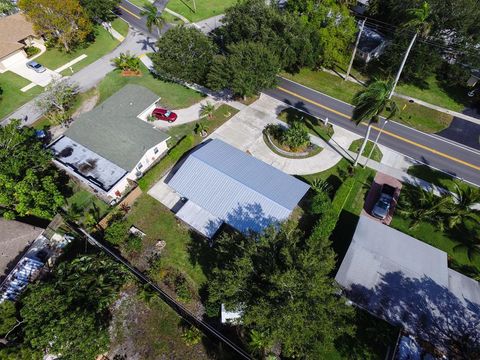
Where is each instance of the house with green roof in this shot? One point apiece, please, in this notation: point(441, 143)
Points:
point(110, 146)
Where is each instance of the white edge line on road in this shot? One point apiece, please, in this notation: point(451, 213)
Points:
point(138, 7)
point(438, 137)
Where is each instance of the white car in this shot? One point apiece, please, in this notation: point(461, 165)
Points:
point(36, 66)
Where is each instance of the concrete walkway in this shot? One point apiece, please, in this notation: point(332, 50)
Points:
point(210, 24)
point(245, 132)
point(181, 17)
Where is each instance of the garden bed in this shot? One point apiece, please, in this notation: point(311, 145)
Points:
point(314, 125)
point(277, 149)
point(292, 142)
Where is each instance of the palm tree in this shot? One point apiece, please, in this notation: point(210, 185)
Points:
point(421, 205)
point(419, 19)
point(126, 61)
point(201, 129)
point(154, 17)
point(369, 104)
point(462, 206)
point(207, 109)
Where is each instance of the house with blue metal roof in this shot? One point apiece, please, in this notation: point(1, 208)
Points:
point(222, 184)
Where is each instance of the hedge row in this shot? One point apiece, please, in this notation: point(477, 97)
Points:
point(342, 194)
point(157, 171)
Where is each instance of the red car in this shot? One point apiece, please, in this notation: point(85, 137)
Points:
point(164, 114)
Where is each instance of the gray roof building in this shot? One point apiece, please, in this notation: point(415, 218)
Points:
point(408, 283)
point(15, 236)
point(224, 184)
point(113, 131)
point(104, 145)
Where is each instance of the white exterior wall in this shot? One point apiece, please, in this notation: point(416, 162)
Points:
point(146, 161)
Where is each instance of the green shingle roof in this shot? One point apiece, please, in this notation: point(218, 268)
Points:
point(113, 130)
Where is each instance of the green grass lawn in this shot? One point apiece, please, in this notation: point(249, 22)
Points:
point(159, 223)
point(104, 43)
point(140, 3)
point(204, 8)
point(436, 177)
point(121, 26)
point(219, 117)
point(169, 18)
point(413, 115)
point(376, 155)
point(12, 97)
point(82, 201)
point(435, 94)
point(173, 95)
point(313, 124)
point(431, 235)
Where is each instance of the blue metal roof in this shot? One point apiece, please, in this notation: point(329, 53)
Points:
point(243, 191)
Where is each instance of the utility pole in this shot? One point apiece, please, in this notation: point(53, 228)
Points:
point(355, 48)
point(403, 64)
point(194, 6)
point(376, 142)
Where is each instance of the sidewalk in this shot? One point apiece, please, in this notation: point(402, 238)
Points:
point(415, 100)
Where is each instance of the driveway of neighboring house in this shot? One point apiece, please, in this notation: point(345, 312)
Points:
point(42, 79)
point(374, 194)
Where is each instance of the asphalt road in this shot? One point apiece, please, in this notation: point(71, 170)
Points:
point(433, 150)
point(131, 14)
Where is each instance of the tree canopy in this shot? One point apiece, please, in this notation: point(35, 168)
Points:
point(248, 68)
point(185, 53)
point(313, 35)
point(100, 9)
point(29, 184)
point(451, 25)
point(68, 313)
point(63, 21)
point(280, 280)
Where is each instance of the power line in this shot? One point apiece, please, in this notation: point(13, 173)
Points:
point(188, 316)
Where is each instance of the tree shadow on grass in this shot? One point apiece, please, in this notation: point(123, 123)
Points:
point(342, 235)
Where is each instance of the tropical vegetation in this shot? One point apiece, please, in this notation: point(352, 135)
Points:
point(369, 104)
point(126, 62)
point(294, 294)
point(29, 183)
point(153, 17)
point(64, 22)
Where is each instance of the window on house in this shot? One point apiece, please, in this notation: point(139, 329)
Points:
point(139, 166)
point(155, 150)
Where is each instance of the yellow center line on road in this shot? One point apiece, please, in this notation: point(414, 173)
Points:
point(128, 11)
point(439, 153)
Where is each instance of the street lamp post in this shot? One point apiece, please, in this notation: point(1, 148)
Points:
point(376, 142)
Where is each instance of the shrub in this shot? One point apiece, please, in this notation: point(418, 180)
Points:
point(117, 232)
point(320, 203)
point(342, 194)
point(31, 50)
point(133, 244)
point(127, 61)
point(192, 336)
point(178, 283)
point(296, 136)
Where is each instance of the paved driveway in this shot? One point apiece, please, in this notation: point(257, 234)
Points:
point(42, 79)
point(244, 131)
point(374, 194)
